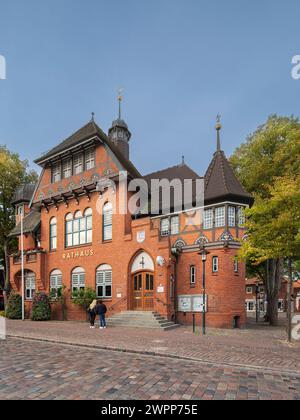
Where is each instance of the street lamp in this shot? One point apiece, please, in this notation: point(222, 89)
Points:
point(204, 254)
point(22, 263)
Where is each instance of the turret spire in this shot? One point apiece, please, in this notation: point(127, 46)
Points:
point(218, 128)
point(120, 99)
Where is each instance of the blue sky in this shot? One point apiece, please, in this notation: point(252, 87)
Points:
point(181, 63)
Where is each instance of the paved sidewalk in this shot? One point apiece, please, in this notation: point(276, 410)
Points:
point(44, 371)
point(258, 347)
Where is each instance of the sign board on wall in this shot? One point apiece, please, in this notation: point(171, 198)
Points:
point(191, 303)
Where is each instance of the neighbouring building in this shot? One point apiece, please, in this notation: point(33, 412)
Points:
point(73, 238)
point(256, 296)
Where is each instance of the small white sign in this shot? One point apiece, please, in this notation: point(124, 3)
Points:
point(119, 295)
point(160, 289)
point(141, 237)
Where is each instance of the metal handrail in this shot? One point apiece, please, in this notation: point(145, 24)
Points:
point(117, 303)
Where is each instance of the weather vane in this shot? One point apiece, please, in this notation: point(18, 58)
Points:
point(120, 99)
point(218, 126)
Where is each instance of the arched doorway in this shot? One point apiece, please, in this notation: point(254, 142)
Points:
point(143, 283)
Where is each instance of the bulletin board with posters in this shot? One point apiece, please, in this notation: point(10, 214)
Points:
point(191, 303)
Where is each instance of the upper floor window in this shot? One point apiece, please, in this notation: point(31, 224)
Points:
point(208, 219)
point(67, 168)
point(241, 216)
point(249, 290)
point(53, 234)
point(104, 281)
point(89, 159)
point(215, 264)
point(55, 283)
point(29, 285)
point(78, 279)
point(107, 222)
point(193, 275)
point(56, 172)
point(78, 164)
point(231, 216)
point(236, 264)
point(79, 229)
point(220, 217)
point(165, 228)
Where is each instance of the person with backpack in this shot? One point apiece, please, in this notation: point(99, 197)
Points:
point(92, 313)
point(101, 310)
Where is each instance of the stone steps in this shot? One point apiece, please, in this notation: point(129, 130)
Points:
point(146, 320)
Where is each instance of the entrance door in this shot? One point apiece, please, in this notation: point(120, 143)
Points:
point(143, 291)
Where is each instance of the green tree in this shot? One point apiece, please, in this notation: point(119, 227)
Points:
point(13, 173)
point(84, 297)
point(270, 154)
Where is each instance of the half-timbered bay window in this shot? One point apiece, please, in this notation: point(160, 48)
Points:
point(231, 216)
point(220, 217)
point(79, 228)
point(89, 159)
point(104, 282)
point(78, 279)
point(165, 226)
point(67, 168)
point(56, 172)
point(107, 222)
point(78, 164)
point(208, 220)
point(29, 285)
point(55, 283)
point(53, 234)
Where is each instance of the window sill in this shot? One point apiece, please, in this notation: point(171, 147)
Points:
point(78, 246)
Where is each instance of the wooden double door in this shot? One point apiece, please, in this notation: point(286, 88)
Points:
point(143, 291)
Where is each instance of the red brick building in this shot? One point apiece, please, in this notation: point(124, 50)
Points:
point(73, 236)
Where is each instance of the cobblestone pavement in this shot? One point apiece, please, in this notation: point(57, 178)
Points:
point(38, 370)
point(259, 347)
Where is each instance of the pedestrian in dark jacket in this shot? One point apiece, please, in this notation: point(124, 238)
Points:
point(101, 310)
point(92, 313)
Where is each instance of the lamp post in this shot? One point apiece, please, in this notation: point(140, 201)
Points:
point(203, 254)
point(22, 265)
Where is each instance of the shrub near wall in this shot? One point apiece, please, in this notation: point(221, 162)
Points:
point(14, 307)
point(41, 309)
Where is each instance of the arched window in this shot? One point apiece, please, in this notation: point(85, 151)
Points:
point(107, 222)
point(78, 279)
point(104, 281)
point(29, 285)
point(55, 283)
point(79, 229)
point(53, 234)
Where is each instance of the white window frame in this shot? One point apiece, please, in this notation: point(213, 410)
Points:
point(79, 229)
point(90, 159)
point(107, 223)
point(215, 264)
point(175, 225)
point(249, 290)
point(104, 280)
point(208, 220)
point(78, 164)
point(53, 234)
point(56, 173)
point(30, 286)
point(67, 168)
point(231, 216)
point(253, 305)
point(220, 217)
point(78, 279)
point(165, 229)
point(55, 283)
point(241, 216)
point(192, 275)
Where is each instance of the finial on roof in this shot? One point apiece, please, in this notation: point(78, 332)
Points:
point(93, 116)
point(218, 128)
point(183, 160)
point(120, 99)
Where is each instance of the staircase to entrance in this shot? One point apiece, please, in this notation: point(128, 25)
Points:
point(140, 319)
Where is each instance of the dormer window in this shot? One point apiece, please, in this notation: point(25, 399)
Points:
point(56, 173)
point(89, 159)
point(67, 168)
point(78, 164)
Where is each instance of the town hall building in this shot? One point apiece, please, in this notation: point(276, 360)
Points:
point(134, 262)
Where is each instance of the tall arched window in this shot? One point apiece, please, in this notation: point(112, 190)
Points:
point(55, 283)
point(53, 234)
point(78, 279)
point(29, 285)
point(79, 229)
point(104, 281)
point(107, 222)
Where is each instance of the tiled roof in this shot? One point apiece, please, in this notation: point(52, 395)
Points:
point(30, 224)
point(85, 133)
point(221, 182)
